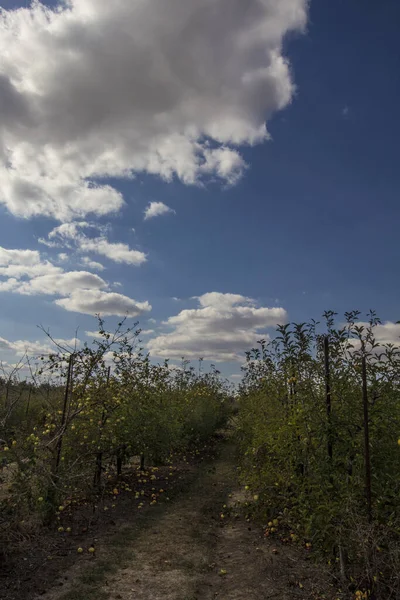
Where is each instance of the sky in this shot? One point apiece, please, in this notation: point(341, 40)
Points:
point(209, 168)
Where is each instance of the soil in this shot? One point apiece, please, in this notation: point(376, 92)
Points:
point(196, 546)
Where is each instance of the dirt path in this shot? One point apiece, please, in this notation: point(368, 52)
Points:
point(189, 552)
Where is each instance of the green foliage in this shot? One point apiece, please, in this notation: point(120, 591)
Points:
point(285, 433)
point(61, 437)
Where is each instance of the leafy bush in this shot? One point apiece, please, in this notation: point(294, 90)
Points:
point(302, 434)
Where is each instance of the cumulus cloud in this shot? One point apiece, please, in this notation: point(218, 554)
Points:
point(225, 163)
point(117, 252)
point(221, 329)
point(71, 235)
point(31, 348)
point(21, 263)
point(25, 273)
point(107, 304)
point(92, 264)
point(61, 284)
point(387, 332)
point(156, 209)
point(168, 87)
point(94, 334)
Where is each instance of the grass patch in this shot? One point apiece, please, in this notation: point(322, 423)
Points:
point(89, 584)
point(94, 577)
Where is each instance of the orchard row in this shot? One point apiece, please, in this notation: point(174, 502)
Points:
point(84, 410)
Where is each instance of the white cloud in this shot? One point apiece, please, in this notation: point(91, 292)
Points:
point(63, 257)
point(156, 209)
point(169, 87)
point(224, 162)
point(68, 231)
point(25, 347)
point(20, 263)
point(71, 236)
point(221, 329)
point(9, 285)
point(61, 284)
point(92, 264)
point(217, 300)
point(94, 334)
point(93, 302)
point(385, 333)
point(4, 344)
point(117, 252)
point(26, 273)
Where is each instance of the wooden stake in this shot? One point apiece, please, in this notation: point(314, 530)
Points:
point(328, 395)
point(64, 414)
point(367, 457)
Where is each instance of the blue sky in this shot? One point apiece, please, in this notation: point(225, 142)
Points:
point(309, 224)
